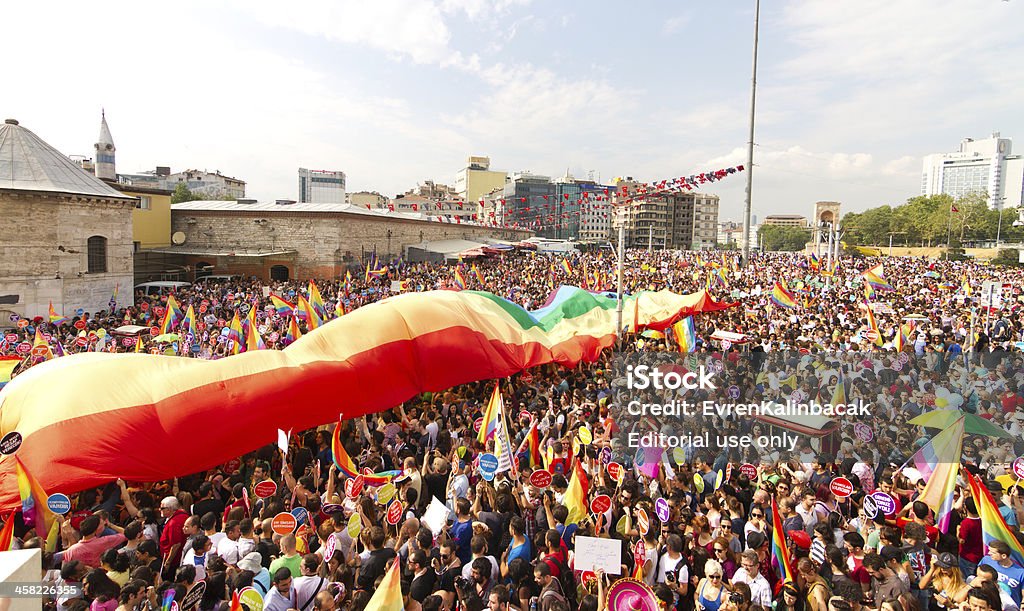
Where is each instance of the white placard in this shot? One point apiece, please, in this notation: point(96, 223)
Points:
point(436, 516)
point(593, 553)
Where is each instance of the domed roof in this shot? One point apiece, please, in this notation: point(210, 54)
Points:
point(27, 163)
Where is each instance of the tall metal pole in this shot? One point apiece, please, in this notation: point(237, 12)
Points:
point(622, 257)
point(650, 238)
point(999, 228)
point(750, 142)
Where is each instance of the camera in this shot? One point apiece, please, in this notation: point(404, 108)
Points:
point(463, 585)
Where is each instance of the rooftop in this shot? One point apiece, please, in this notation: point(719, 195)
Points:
point(27, 163)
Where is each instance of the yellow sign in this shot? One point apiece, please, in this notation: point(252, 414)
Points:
point(355, 524)
point(385, 493)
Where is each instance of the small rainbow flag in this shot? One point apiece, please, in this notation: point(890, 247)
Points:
point(33, 506)
point(293, 332)
point(685, 334)
point(874, 277)
point(531, 447)
point(780, 554)
point(476, 272)
point(388, 596)
point(283, 307)
point(307, 312)
point(566, 267)
point(7, 534)
point(235, 333)
point(7, 366)
point(316, 300)
point(54, 318)
point(783, 298)
point(459, 280)
point(993, 526)
point(873, 325)
point(492, 415)
point(348, 468)
point(941, 458)
point(172, 315)
point(348, 282)
point(188, 323)
point(40, 342)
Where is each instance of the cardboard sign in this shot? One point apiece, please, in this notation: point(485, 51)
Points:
point(251, 599)
point(749, 470)
point(615, 471)
point(540, 478)
point(283, 523)
point(662, 510)
point(58, 503)
point(194, 595)
point(394, 514)
point(329, 547)
point(598, 553)
point(265, 489)
point(355, 525)
point(601, 503)
point(643, 523)
point(10, 443)
point(886, 504)
point(870, 507)
point(841, 487)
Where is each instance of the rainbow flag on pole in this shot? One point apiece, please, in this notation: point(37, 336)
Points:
point(33, 507)
point(55, 319)
point(283, 307)
point(348, 468)
point(460, 281)
point(993, 526)
point(780, 554)
point(783, 298)
point(492, 415)
point(172, 315)
point(939, 462)
point(874, 278)
point(685, 334)
point(316, 300)
point(388, 595)
point(531, 447)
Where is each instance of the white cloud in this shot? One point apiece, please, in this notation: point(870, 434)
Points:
point(674, 24)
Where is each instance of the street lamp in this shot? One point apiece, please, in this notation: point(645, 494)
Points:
point(892, 233)
point(999, 227)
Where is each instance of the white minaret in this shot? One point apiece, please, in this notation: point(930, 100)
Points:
point(105, 167)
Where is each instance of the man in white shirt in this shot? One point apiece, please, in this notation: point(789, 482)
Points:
point(281, 596)
point(672, 570)
point(197, 555)
point(309, 584)
point(228, 548)
point(748, 573)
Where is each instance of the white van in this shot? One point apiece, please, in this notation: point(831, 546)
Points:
point(161, 287)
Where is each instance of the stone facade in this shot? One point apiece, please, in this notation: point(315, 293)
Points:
point(308, 244)
point(44, 252)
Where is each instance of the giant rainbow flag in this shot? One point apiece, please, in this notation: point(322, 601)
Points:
point(376, 357)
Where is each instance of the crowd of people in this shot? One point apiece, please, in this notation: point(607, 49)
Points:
point(694, 524)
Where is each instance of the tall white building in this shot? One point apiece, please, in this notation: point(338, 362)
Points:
point(978, 166)
point(321, 186)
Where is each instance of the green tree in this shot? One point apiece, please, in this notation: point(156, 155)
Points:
point(774, 237)
point(183, 194)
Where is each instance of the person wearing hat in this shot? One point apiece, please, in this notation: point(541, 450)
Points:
point(253, 562)
point(945, 580)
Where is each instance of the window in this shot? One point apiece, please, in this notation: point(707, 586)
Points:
point(145, 202)
point(97, 247)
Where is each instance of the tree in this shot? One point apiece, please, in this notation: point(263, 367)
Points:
point(183, 194)
point(775, 237)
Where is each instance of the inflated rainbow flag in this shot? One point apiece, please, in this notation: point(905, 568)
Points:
point(34, 511)
point(417, 336)
point(460, 281)
point(283, 308)
point(939, 463)
point(172, 315)
point(780, 554)
point(685, 334)
point(388, 595)
point(348, 468)
point(993, 526)
point(783, 298)
point(55, 319)
point(7, 366)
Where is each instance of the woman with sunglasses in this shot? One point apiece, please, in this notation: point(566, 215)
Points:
point(711, 590)
point(724, 556)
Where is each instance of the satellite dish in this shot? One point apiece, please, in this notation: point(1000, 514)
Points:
point(178, 237)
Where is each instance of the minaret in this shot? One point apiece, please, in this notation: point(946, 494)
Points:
point(105, 167)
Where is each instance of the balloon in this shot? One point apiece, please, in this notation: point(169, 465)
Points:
point(376, 357)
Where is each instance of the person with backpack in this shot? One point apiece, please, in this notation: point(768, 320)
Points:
point(550, 592)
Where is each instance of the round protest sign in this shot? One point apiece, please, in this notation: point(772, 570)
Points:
point(606, 455)
point(728, 472)
point(478, 424)
point(80, 324)
point(1018, 467)
point(11, 338)
point(585, 436)
point(26, 347)
point(82, 341)
point(540, 478)
point(886, 504)
point(601, 503)
point(661, 509)
point(870, 507)
point(385, 493)
point(301, 515)
point(194, 595)
point(265, 489)
point(698, 482)
point(679, 455)
point(394, 513)
point(734, 392)
point(10, 443)
point(841, 487)
point(128, 342)
point(251, 599)
point(863, 432)
point(331, 509)
point(22, 323)
point(615, 471)
point(154, 331)
point(232, 466)
point(488, 466)
point(58, 503)
point(355, 525)
point(624, 525)
point(283, 523)
point(329, 547)
point(353, 486)
point(526, 377)
point(640, 552)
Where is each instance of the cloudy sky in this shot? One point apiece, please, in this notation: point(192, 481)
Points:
point(393, 92)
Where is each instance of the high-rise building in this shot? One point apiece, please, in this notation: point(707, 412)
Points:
point(978, 166)
point(477, 179)
point(321, 186)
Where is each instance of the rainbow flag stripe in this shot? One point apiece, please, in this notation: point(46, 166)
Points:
point(376, 356)
point(783, 298)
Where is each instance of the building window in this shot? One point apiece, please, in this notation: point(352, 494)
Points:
point(145, 202)
point(97, 247)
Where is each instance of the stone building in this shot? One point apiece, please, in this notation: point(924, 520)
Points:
point(287, 240)
point(65, 235)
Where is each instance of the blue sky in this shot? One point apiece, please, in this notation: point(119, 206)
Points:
point(394, 92)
